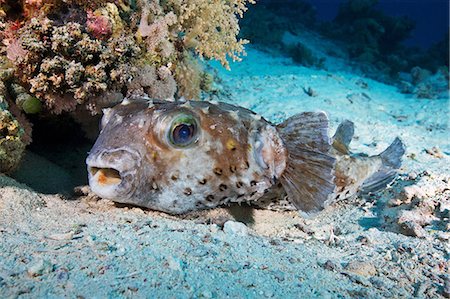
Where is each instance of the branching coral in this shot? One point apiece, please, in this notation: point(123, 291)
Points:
point(157, 82)
point(57, 61)
point(211, 27)
point(157, 34)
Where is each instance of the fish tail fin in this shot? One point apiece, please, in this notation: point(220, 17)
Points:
point(343, 136)
point(391, 159)
point(309, 174)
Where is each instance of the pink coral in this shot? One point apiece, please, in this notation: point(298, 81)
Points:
point(98, 25)
point(14, 51)
point(157, 33)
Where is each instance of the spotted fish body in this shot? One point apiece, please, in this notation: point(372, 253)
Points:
point(188, 155)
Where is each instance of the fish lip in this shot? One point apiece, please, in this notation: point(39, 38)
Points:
point(123, 189)
point(95, 159)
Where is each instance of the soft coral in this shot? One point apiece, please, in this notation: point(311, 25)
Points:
point(98, 25)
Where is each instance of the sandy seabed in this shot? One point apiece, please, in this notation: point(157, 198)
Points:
point(393, 244)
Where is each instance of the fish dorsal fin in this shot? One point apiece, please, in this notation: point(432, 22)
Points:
point(343, 136)
point(309, 175)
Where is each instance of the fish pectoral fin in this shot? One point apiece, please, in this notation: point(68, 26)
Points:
point(309, 175)
point(378, 180)
point(343, 136)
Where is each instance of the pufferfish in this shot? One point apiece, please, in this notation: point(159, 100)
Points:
point(182, 156)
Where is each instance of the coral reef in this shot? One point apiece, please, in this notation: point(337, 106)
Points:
point(67, 52)
point(211, 27)
point(12, 144)
point(79, 57)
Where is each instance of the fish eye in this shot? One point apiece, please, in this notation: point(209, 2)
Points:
point(183, 131)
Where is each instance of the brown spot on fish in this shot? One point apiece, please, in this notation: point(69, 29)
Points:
point(253, 183)
point(239, 184)
point(218, 171)
point(210, 197)
point(174, 177)
point(223, 187)
point(187, 191)
point(202, 181)
point(233, 169)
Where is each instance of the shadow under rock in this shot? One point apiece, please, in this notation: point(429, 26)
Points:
point(55, 161)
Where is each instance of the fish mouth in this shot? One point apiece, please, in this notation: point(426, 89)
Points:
point(111, 173)
point(105, 176)
point(108, 182)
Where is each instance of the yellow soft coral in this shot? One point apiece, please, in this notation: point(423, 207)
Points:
point(211, 27)
point(188, 75)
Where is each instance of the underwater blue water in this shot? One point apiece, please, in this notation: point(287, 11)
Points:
point(431, 16)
